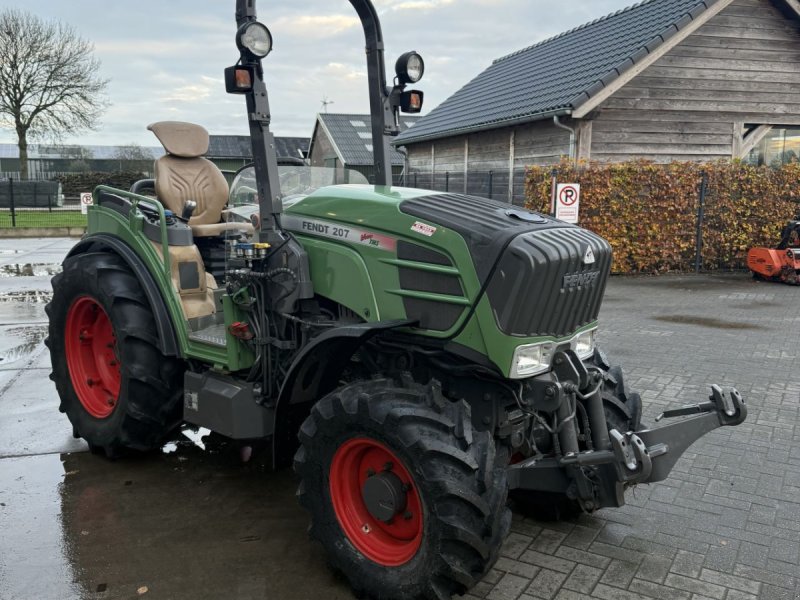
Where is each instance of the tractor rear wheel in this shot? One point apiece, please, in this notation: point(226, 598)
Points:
point(117, 388)
point(408, 501)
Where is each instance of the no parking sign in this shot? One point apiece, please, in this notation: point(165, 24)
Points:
point(86, 201)
point(568, 201)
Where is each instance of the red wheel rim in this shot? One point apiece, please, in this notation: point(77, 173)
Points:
point(388, 544)
point(92, 359)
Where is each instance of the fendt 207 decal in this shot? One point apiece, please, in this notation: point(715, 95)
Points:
point(338, 231)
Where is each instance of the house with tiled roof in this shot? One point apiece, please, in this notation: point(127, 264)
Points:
point(663, 80)
point(344, 141)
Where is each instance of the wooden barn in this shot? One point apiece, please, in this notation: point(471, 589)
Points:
point(663, 80)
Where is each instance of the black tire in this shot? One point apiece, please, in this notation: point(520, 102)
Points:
point(148, 405)
point(623, 408)
point(461, 486)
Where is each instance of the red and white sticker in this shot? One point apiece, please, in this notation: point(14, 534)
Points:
point(423, 228)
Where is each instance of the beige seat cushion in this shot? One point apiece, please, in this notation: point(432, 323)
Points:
point(198, 179)
point(183, 174)
point(181, 139)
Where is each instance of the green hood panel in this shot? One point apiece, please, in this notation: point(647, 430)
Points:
point(354, 204)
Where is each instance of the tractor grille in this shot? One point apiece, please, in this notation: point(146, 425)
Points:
point(433, 315)
point(541, 285)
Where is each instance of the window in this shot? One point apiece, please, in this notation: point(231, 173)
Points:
point(364, 135)
point(358, 123)
point(779, 147)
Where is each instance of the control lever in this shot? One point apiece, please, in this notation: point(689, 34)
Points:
point(188, 210)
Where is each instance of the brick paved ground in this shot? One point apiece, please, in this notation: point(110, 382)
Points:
point(726, 524)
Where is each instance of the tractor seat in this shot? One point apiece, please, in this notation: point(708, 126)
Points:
point(183, 174)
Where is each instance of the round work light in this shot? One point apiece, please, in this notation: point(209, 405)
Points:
point(410, 67)
point(255, 38)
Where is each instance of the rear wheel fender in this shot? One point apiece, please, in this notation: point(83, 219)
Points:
point(167, 338)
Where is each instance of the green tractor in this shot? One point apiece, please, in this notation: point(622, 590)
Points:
point(418, 356)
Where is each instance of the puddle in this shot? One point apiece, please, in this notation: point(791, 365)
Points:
point(706, 322)
point(19, 342)
point(28, 296)
point(30, 270)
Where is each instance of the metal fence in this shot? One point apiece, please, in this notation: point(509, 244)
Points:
point(498, 184)
point(53, 175)
point(37, 204)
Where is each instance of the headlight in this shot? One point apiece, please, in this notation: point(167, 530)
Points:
point(583, 343)
point(409, 67)
point(531, 359)
point(255, 38)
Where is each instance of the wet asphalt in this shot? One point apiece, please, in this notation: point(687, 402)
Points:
point(197, 523)
point(188, 523)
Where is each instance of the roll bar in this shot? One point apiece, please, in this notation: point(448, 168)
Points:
point(262, 140)
point(381, 113)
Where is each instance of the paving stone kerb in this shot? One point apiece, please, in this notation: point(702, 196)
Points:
point(726, 524)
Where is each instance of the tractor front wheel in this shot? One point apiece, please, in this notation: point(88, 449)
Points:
point(408, 501)
point(117, 388)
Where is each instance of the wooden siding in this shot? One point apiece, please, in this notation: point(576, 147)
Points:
point(463, 163)
point(538, 143)
point(743, 66)
point(322, 148)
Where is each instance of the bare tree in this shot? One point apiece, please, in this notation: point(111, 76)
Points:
point(80, 157)
point(135, 157)
point(48, 80)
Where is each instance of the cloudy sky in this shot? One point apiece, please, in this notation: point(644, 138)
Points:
point(165, 58)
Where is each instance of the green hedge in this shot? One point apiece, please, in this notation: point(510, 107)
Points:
point(648, 212)
point(75, 183)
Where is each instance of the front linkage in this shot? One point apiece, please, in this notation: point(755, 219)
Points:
point(612, 460)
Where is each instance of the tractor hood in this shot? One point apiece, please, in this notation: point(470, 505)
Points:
point(542, 277)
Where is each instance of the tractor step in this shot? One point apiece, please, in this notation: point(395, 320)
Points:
point(215, 335)
point(226, 405)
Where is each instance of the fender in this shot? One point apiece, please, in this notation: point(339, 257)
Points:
point(315, 372)
point(167, 340)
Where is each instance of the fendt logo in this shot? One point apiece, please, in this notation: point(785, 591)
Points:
point(573, 280)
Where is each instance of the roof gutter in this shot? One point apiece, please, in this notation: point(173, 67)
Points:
point(572, 135)
point(564, 112)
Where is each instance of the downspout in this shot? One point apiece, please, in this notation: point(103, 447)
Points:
point(557, 122)
point(403, 151)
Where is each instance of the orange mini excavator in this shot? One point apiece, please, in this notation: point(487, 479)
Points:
point(781, 263)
